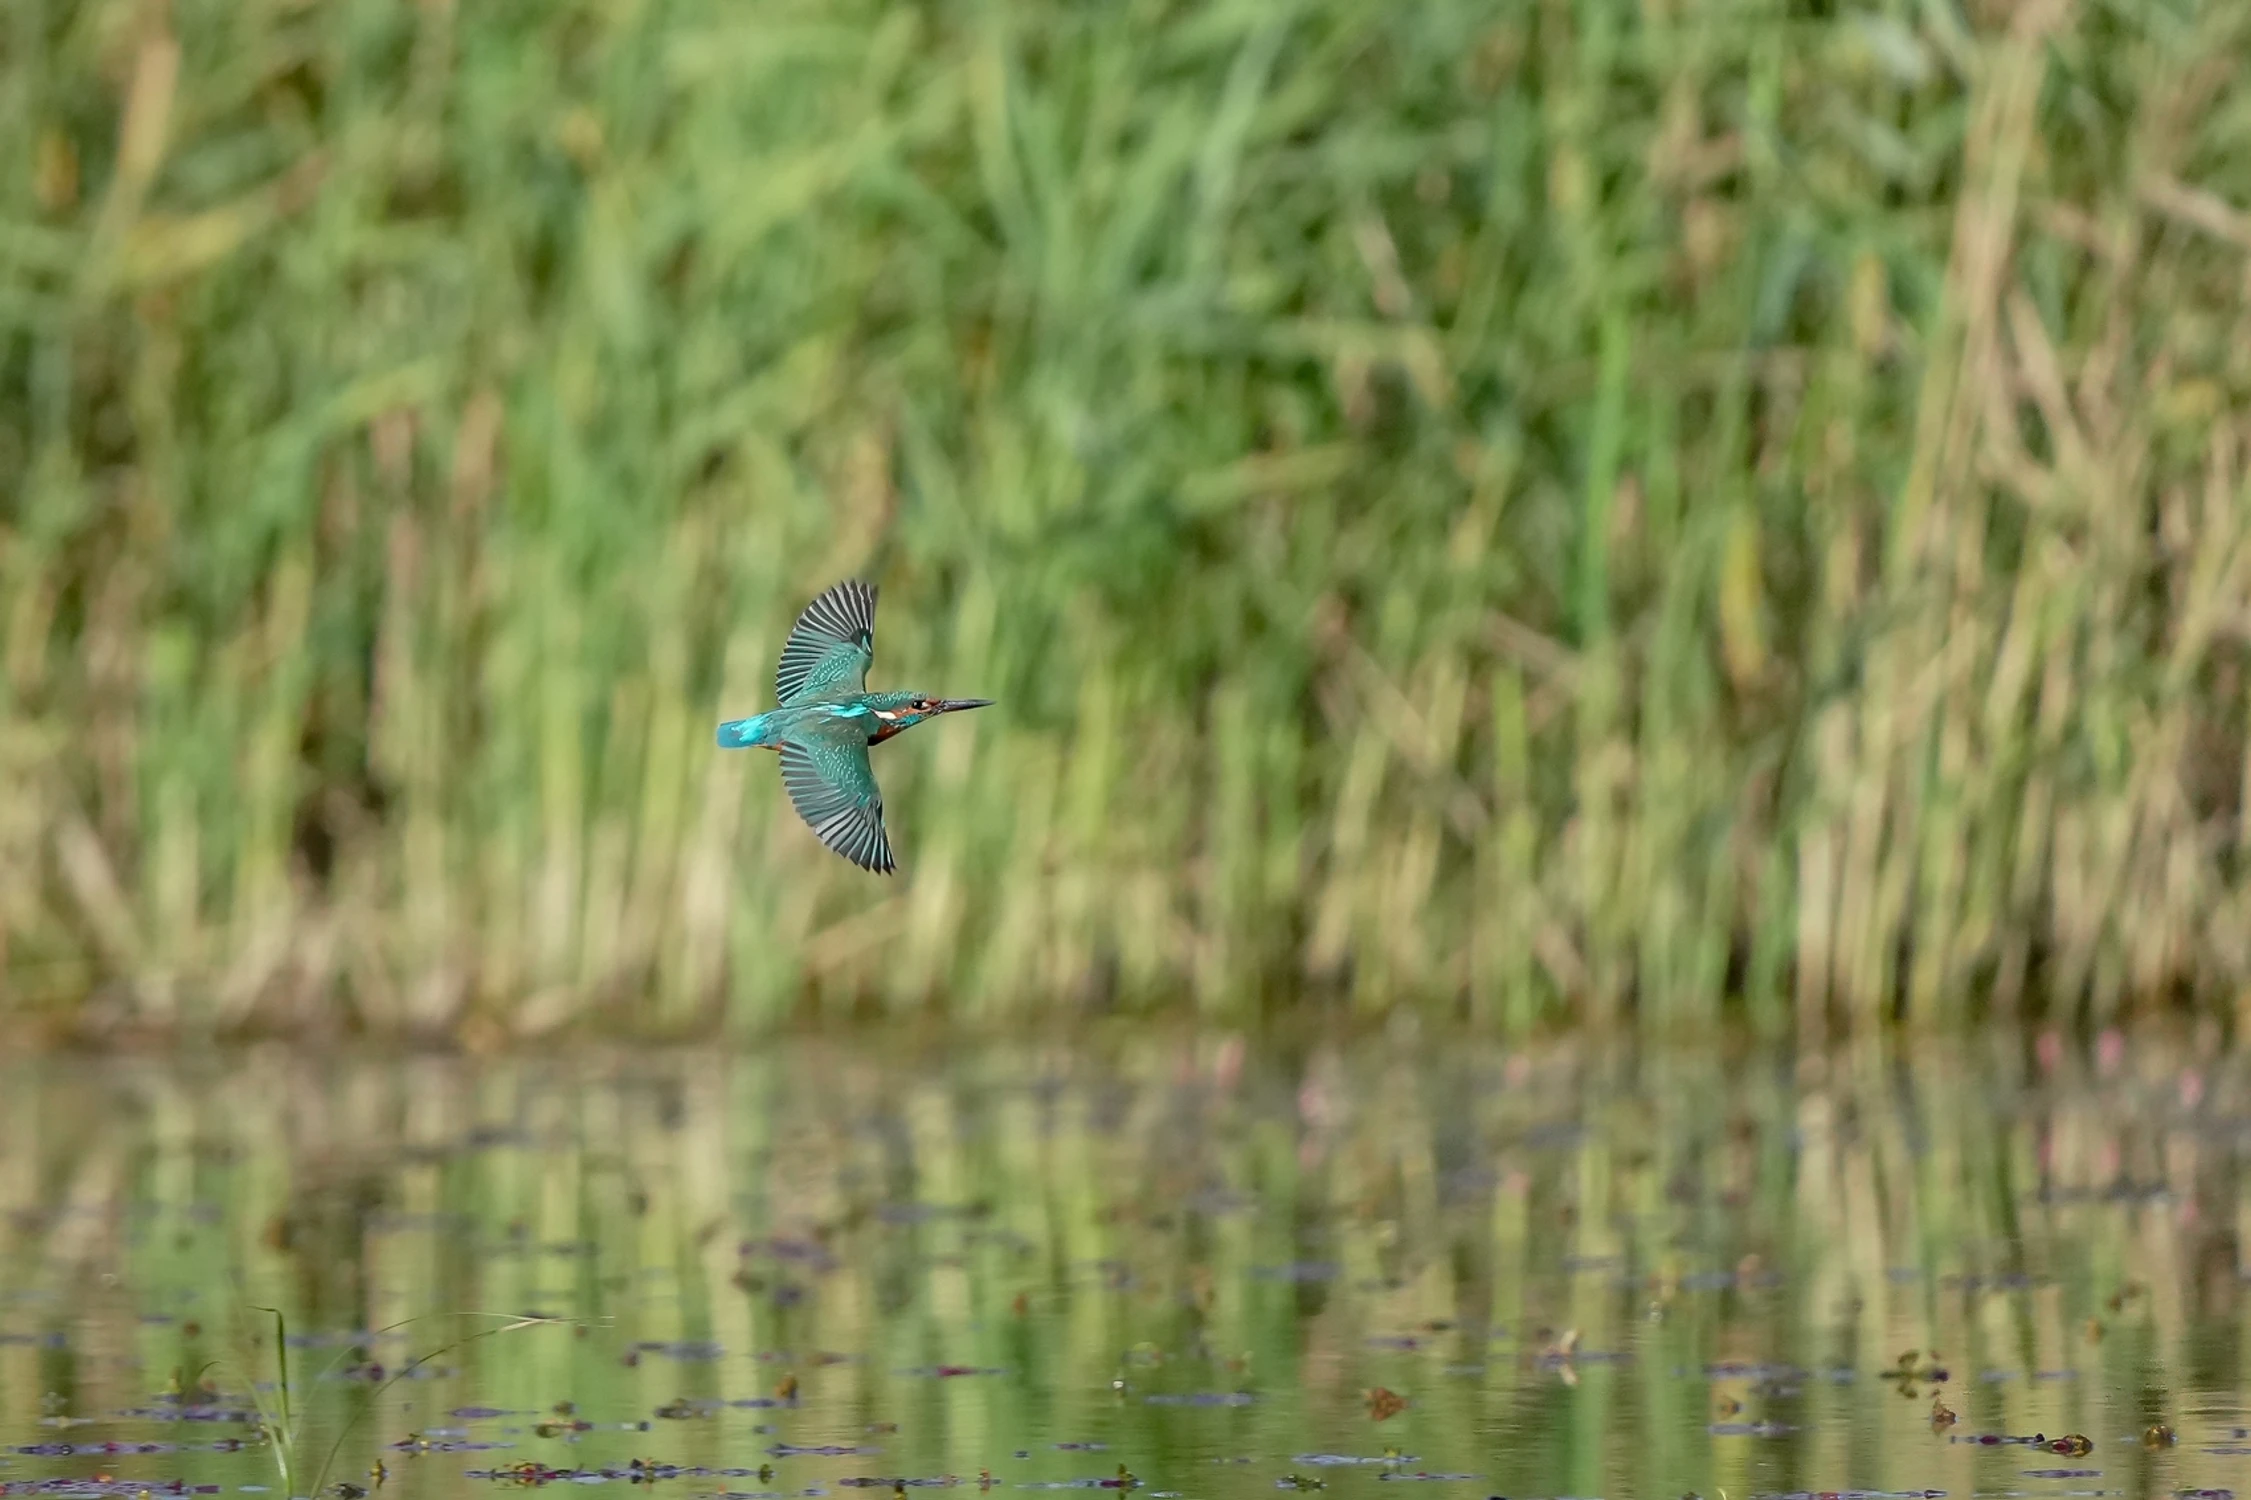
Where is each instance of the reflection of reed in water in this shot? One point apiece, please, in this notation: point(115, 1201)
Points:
point(1723, 1257)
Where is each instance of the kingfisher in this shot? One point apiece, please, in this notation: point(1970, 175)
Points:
point(827, 720)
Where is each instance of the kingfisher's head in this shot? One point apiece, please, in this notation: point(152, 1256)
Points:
point(896, 712)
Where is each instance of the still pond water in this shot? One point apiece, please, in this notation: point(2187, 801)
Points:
point(1178, 1267)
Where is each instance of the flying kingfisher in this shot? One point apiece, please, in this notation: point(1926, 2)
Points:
point(827, 719)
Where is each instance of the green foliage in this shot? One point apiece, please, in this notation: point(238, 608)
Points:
point(1528, 509)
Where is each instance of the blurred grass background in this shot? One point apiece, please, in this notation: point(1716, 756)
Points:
point(1589, 509)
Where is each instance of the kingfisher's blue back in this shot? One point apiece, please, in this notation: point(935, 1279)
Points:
point(826, 720)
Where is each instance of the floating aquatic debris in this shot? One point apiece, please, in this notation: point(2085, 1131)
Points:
point(952, 1372)
point(1745, 1370)
point(1420, 1475)
point(1124, 1480)
point(685, 1349)
point(127, 1487)
point(1201, 1398)
point(561, 1429)
point(874, 1482)
point(821, 1450)
point(1384, 1404)
point(1751, 1429)
point(638, 1471)
point(2005, 1282)
point(69, 1450)
point(1336, 1460)
point(809, 1253)
point(2062, 1473)
point(2123, 1191)
point(186, 1414)
point(1558, 1359)
point(373, 1372)
point(1298, 1271)
point(1849, 1495)
point(1082, 1447)
point(2071, 1445)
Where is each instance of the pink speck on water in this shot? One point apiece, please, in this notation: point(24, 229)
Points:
point(2110, 1050)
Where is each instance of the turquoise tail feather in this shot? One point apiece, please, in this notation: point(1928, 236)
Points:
point(743, 734)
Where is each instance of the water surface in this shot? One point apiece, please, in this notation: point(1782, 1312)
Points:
point(1184, 1266)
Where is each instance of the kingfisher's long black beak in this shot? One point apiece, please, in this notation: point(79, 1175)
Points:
point(953, 705)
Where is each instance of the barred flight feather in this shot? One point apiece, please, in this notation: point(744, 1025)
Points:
point(849, 821)
point(830, 647)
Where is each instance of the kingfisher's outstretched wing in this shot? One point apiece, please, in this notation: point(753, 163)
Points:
point(833, 790)
point(830, 646)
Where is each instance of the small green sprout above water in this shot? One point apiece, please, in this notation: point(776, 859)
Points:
point(280, 1418)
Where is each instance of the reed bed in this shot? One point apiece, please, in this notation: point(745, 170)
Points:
point(1603, 511)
